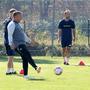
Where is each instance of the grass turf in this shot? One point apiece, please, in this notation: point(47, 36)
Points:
point(73, 77)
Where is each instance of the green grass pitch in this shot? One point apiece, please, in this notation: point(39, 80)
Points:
point(73, 77)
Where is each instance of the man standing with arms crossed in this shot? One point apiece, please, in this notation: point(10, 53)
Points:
point(9, 51)
point(66, 35)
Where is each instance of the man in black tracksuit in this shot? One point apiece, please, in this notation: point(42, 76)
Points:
point(17, 40)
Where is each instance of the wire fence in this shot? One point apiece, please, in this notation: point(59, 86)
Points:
point(41, 19)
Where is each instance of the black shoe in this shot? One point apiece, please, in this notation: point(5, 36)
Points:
point(8, 73)
point(67, 64)
point(14, 72)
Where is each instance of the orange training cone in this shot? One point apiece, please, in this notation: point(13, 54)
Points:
point(22, 71)
point(81, 63)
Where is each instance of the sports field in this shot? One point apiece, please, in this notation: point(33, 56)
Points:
point(73, 77)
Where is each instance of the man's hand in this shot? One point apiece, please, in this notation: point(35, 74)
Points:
point(74, 39)
point(58, 41)
point(12, 47)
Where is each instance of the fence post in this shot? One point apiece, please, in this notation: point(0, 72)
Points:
point(88, 32)
point(53, 27)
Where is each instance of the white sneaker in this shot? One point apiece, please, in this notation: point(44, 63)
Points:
point(13, 71)
point(26, 76)
point(29, 77)
point(38, 69)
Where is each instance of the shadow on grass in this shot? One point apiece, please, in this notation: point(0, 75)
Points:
point(3, 58)
point(81, 65)
point(36, 79)
point(31, 78)
point(38, 61)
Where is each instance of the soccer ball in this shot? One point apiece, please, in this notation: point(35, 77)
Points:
point(58, 70)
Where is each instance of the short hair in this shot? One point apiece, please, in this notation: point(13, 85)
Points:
point(17, 13)
point(12, 10)
point(67, 11)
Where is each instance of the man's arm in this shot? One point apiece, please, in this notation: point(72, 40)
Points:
point(59, 31)
point(73, 31)
point(27, 39)
point(59, 35)
point(74, 34)
point(11, 28)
